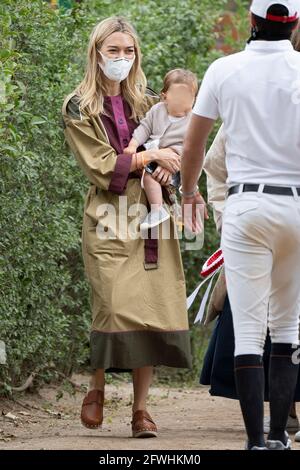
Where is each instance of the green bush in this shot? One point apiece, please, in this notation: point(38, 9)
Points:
point(44, 310)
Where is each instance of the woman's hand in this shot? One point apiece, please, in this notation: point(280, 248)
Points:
point(162, 176)
point(166, 158)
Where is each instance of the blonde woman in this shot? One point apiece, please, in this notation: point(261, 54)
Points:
point(138, 297)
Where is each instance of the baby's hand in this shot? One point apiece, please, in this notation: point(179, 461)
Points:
point(130, 149)
point(132, 146)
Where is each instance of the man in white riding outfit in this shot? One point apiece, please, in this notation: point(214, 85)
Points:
point(256, 94)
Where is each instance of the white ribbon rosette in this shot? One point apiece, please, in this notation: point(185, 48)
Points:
point(209, 270)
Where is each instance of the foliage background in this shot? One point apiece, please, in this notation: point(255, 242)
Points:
point(44, 310)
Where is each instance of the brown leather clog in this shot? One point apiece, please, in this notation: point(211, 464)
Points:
point(92, 409)
point(143, 425)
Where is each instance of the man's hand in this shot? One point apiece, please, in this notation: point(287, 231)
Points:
point(192, 210)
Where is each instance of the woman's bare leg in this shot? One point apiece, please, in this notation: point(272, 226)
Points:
point(92, 405)
point(97, 380)
point(142, 379)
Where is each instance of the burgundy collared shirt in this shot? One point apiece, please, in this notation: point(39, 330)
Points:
point(119, 127)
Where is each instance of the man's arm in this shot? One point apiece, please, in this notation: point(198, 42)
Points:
point(205, 113)
point(194, 151)
point(191, 167)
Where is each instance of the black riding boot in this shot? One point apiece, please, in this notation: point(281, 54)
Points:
point(250, 382)
point(283, 375)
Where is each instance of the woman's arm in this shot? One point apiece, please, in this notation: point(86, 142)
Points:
point(97, 159)
point(95, 156)
point(216, 172)
point(166, 158)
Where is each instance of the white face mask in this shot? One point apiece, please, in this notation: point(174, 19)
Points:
point(116, 69)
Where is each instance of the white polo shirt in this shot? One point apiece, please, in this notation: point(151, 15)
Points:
point(256, 93)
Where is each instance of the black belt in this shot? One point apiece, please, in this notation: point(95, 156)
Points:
point(280, 190)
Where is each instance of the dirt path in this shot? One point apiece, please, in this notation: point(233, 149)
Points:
point(187, 419)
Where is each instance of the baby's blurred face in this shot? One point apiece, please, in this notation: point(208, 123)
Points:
point(179, 99)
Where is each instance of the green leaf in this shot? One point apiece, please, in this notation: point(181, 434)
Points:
point(35, 121)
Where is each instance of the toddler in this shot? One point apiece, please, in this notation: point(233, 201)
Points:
point(164, 126)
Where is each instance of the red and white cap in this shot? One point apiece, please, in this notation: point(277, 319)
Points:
point(260, 8)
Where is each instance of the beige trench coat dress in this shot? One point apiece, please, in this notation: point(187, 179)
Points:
point(137, 286)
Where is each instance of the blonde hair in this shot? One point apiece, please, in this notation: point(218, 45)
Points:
point(182, 77)
point(93, 88)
